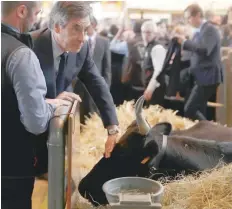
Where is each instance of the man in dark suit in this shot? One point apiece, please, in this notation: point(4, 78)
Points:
point(64, 55)
point(205, 63)
point(100, 50)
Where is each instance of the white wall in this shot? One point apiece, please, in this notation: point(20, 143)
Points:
point(178, 4)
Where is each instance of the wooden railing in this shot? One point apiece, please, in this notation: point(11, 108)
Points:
point(224, 94)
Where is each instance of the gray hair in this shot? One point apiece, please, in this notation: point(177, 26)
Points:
point(64, 11)
point(8, 6)
point(150, 25)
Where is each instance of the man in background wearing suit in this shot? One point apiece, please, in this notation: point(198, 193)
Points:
point(64, 55)
point(205, 63)
point(100, 50)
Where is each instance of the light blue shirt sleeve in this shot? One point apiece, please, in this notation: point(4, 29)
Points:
point(119, 47)
point(24, 71)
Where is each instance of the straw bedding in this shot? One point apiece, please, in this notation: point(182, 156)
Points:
point(212, 190)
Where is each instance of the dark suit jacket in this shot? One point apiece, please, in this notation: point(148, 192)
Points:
point(78, 64)
point(102, 58)
point(206, 64)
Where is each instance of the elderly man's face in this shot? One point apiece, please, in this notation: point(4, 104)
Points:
point(148, 35)
point(71, 37)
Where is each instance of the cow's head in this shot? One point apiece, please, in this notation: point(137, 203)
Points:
point(136, 144)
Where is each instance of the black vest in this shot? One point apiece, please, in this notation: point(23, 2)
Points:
point(18, 145)
point(148, 65)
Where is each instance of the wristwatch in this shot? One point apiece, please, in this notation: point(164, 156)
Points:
point(113, 130)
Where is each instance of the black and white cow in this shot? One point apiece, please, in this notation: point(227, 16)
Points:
point(159, 151)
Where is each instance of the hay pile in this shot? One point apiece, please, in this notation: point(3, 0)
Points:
point(210, 191)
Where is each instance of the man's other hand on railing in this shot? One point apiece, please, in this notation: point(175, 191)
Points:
point(58, 102)
point(69, 96)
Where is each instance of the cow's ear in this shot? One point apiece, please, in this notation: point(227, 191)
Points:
point(162, 128)
point(226, 148)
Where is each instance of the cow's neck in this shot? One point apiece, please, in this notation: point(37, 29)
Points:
point(185, 153)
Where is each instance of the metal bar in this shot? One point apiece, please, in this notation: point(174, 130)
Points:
point(56, 158)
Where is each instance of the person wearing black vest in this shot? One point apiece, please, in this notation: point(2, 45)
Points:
point(64, 56)
point(153, 64)
point(25, 111)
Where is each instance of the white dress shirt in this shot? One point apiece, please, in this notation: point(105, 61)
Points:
point(158, 54)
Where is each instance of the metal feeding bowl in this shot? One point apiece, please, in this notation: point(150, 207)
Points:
point(133, 192)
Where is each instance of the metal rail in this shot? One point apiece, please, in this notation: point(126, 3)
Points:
point(60, 126)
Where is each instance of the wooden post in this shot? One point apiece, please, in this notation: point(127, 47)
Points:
point(228, 81)
point(221, 97)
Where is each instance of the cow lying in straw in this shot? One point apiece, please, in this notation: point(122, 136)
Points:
point(159, 151)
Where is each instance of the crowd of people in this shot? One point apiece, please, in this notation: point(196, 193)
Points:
point(150, 59)
point(67, 59)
